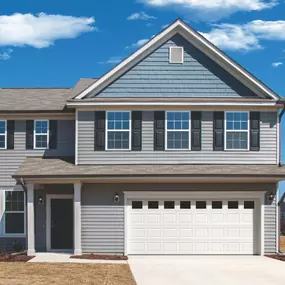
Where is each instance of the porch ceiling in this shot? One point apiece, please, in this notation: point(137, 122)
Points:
point(64, 168)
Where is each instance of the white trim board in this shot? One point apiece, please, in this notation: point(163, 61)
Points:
point(48, 217)
point(199, 42)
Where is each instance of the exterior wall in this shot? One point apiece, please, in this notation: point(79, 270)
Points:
point(198, 76)
point(7, 243)
point(10, 160)
point(103, 219)
point(266, 155)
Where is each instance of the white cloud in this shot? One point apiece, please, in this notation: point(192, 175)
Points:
point(232, 37)
point(213, 9)
point(42, 30)
point(247, 36)
point(141, 16)
point(276, 64)
point(138, 44)
point(112, 60)
point(6, 54)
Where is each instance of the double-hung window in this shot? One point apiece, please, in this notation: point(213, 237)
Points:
point(3, 134)
point(178, 130)
point(14, 212)
point(237, 130)
point(118, 130)
point(41, 134)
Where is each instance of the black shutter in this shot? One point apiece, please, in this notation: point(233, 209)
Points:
point(196, 131)
point(218, 131)
point(53, 134)
point(254, 131)
point(10, 134)
point(99, 130)
point(29, 134)
point(137, 130)
point(159, 126)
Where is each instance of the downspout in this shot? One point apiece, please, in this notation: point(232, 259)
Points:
point(280, 165)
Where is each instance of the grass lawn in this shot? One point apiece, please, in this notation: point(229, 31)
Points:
point(17, 273)
point(282, 243)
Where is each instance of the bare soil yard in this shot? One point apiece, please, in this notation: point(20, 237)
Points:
point(17, 273)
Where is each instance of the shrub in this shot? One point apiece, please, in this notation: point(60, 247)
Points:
point(17, 246)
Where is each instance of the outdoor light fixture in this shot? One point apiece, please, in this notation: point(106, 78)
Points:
point(116, 198)
point(271, 197)
point(41, 200)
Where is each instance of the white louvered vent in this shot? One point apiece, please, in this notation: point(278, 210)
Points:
point(176, 55)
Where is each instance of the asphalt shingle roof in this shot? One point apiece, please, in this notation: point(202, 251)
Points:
point(58, 167)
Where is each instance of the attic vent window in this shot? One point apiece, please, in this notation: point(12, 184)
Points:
point(176, 55)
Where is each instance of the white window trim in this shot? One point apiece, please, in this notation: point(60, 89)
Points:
point(5, 147)
point(230, 131)
point(35, 147)
point(176, 47)
point(4, 215)
point(166, 131)
point(107, 130)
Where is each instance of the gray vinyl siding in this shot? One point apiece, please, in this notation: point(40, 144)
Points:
point(270, 222)
point(266, 155)
point(10, 160)
point(198, 76)
point(103, 219)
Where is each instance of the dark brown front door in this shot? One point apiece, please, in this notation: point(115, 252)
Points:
point(61, 223)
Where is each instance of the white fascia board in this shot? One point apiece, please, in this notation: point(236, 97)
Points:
point(109, 104)
point(202, 44)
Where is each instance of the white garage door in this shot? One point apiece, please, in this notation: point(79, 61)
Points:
point(191, 226)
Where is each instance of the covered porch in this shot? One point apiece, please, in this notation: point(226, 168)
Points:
point(61, 193)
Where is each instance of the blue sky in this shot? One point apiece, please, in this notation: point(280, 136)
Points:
point(54, 43)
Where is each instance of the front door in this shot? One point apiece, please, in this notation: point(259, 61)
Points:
point(61, 223)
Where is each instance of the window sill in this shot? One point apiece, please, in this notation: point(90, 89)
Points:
point(13, 236)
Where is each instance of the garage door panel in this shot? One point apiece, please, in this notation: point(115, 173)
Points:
point(220, 228)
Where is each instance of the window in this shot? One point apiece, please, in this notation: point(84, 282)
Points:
point(178, 130)
point(41, 134)
point(201, 204)
point(137, 204)
point(232, 204)
point(153, 204)
point(176, 55)
point(249, 204)
point(282, 215)
point(185, 205)
point(14, 212)
point(169, 205)
point(217, 204)
point(3, 134)
point(118, 130)
point(237, 131)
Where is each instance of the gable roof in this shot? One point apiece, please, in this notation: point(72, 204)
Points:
point(33, 99)
point(199, 42)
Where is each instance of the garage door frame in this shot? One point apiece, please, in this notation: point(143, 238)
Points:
point(144, 195)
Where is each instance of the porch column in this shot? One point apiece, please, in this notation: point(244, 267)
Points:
point(77, 219)
point(31, 219)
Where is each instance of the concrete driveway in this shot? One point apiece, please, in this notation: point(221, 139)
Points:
point(212, 270)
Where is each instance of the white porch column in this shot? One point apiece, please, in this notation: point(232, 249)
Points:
point(77, 219)
point(31, 219)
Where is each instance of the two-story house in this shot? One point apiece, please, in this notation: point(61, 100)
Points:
point(173, 151)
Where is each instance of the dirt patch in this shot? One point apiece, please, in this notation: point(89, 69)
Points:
point(15, 258)
point(99, 256)
point(65, 274)
point(282, 243)
point(278, 257)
